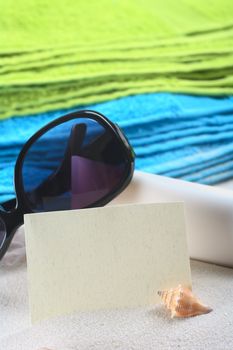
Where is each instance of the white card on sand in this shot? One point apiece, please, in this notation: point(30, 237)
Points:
point(104, 258)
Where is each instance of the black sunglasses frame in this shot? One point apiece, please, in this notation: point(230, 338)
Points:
point(12, 211)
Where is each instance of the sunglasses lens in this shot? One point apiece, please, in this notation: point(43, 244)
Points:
point(73, 165)
point(2, 233)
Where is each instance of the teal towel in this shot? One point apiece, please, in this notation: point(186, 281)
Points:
point(181, 136)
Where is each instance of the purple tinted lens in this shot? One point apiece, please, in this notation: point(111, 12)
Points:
point(72, 166)
point(92, 180)
point(2, 233)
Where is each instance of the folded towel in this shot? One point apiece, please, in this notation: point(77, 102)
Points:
point(55, 56)
point(176, 135)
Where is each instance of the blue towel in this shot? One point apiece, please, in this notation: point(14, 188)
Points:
point(187, 137)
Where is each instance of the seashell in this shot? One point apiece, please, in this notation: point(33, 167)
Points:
point(182, 303)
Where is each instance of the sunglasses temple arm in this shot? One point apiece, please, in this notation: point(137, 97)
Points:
point(12, 216)
point(8, 205)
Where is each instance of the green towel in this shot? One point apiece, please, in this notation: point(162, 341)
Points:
point(59, 54)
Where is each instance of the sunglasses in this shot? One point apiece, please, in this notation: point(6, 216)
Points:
point(80, 160)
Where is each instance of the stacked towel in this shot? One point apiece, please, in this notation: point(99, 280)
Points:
point(60, 54)
point(175, 135)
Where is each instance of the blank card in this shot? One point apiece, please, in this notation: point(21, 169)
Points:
point(104, 258)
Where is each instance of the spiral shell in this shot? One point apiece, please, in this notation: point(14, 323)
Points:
point(182, 303)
